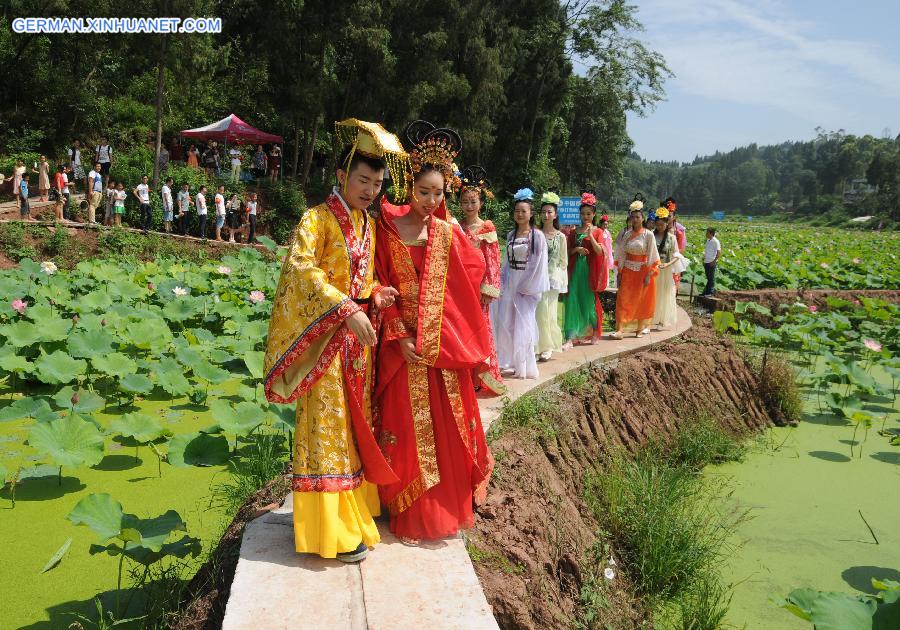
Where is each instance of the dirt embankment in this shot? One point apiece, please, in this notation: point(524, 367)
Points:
point(773, 298)
point(532, 538)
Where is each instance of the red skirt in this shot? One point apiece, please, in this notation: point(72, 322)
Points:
point(447, 506)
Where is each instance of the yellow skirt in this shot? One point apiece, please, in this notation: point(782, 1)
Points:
point(329, 523)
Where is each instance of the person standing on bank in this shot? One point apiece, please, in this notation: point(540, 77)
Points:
point(95, 192)
point(319, 351)
point(711, 253)
point(104, 157)
point(550, 337)
point(638, 261)
point(590, 258)
point(252, 206)
point(523, 280)
point(202, 211)
point(142, 192)
point(42, 170)
point(168, 205)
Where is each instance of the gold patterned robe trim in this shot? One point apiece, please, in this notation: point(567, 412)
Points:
point(429, 475)
point(431, 296)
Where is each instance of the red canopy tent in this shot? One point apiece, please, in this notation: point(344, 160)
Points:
point(233, 130)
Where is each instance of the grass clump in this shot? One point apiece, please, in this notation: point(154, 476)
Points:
point(533, 412)
point(668, 524)
point(778, 387)
point(261, 459)
point(574, 382)
point(668, 530)
point(492, 558)
point(702, 441)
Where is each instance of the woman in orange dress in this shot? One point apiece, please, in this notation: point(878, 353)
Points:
point(638, 262)
point(432, 338)
point(193, 157)
point(475, 187)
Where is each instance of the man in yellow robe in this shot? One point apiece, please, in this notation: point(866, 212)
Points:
point(319, 351)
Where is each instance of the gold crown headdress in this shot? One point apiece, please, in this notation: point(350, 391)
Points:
point(373, 140)
point(435, 146)
point(475, 178)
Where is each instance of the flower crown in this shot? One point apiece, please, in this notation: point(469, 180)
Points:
point(475, 178)
point(550, 197)
point(588, 199)
point(435, 146)
point(524, 194)
point(662, 213)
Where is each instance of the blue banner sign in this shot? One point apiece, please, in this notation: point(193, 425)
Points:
point(718, 215)
point(568, 210)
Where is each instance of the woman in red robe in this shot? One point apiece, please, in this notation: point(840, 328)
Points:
point(482, 234)
point(428, 426)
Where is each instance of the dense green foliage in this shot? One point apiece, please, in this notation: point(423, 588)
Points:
point(808, 178)
point(499, 72)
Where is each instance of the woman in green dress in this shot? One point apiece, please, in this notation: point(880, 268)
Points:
point(590, 257)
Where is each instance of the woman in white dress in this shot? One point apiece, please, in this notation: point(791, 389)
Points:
point(664, 314)
point(550, 337)
point(523, 281)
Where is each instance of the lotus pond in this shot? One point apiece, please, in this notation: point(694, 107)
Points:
point(765, 255)
point(822, 545)
point(129, 394)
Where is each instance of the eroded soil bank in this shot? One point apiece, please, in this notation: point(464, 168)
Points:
point(533, 538)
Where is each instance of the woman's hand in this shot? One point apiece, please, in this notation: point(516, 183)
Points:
point(359, 325)
point(581, 251)
point(487, 299)
point(385, 298)
point(408, 348)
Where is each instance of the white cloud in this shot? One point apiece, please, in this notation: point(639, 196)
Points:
point(758, 54)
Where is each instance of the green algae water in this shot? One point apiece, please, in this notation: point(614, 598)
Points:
point(805, 495)
point(37, 527)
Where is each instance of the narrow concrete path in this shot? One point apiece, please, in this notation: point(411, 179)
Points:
point(432, 587)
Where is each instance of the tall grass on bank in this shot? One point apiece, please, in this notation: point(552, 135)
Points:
point(778, 387)
point(259, 460)
point(667, 523)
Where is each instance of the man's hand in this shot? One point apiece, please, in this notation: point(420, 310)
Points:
point(385, 298)
point(359, 325)
point(408, 348)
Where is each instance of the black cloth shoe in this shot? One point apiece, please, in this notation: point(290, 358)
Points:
point(357, 555)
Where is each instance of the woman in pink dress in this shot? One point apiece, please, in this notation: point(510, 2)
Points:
point(475, 188)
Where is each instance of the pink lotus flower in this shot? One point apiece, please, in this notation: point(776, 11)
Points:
point(179, 291)
point(824, 265)
point(872, 345)
point(813, 308)
point(224, 270)
point(797, 262)
point(19, 306)
point(857, 302)
point(257, 296)
point(856, 261)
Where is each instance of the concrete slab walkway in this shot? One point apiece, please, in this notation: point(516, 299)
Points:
point(432, 587)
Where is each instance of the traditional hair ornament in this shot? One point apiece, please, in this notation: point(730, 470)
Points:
point(524, 194)
point(651, 216)
point(662, 213)
point(605, 217)
point(475, 178)
point(638, 204)
point(435, 146)
point(671, 206)
point(373, 140)
point(588, 199)
point(550, 198)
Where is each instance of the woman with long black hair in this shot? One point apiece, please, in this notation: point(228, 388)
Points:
point(523, 279)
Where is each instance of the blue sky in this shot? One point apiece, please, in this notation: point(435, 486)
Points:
point(766, 71)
